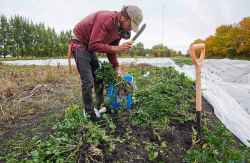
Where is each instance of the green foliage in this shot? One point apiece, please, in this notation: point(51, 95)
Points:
point(74, 118)
point(232, 41)
point(182, 60)
point(169, 97)
point(152, 151)
point(74, 131)
point(217, 146)
point(137, 50)
point(106, 73)
point(160, 51)
point(20, 37)
point(108, 76)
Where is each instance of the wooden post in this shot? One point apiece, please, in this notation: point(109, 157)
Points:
point(69, 55)
point(198, 63)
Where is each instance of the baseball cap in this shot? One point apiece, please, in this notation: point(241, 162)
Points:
point(135, 15)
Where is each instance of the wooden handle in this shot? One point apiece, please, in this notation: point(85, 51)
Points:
point(198, 62)
point(198, 89)
point(69, 55)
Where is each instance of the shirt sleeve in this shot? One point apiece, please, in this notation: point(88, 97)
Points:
point(101, 29)
point(113, 57)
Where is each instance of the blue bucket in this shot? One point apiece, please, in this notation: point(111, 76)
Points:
point(112, 94)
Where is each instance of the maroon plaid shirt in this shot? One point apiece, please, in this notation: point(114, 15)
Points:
point(98, 32)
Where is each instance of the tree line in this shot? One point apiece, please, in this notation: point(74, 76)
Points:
point(158, 50)
point(231, 41)
point(20, 37)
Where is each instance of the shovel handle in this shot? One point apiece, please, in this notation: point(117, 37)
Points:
point(198, 62)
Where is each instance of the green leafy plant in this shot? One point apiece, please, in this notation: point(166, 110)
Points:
point(152, 151)
point(217, 146)
point(170, 95)
point(70, 135)
point(121, 88)
point(105, 73)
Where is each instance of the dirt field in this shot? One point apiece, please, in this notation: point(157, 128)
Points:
point(32, 99)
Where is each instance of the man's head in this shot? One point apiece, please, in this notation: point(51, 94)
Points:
point(131, 17)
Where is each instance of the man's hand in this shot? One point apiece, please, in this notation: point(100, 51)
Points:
point(123, 47)
point(119, 71)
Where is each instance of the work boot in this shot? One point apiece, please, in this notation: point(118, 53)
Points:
point(97, 113)
point(92, 115)
point(93, 118)
point(103, 110)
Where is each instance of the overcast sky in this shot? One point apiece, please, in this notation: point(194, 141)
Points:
point(176, 23)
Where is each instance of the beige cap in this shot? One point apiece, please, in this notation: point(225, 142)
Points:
point(135, 14)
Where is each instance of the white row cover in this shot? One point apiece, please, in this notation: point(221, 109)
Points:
point(226, 86)
point(161, 62)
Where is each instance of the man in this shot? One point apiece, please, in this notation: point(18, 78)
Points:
point(101, 32)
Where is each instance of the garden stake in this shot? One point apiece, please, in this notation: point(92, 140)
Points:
point(69, 55)
point(198, 63)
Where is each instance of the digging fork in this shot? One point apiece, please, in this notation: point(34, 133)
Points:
point(198, 63)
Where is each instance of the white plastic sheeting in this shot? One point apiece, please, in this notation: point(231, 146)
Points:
point(226, 86)
point(53, 62)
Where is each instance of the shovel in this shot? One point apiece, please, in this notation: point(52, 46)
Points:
point(198, 63)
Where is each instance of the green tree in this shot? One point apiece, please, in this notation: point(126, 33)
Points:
point(160, 51)
point(20, 37)
point(231, 41)
point(4, 33)
point(137, 50)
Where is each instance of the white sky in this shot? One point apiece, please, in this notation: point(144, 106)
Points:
point(183, 20)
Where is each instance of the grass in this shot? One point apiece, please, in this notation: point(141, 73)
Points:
point(32, 99)
point(185, 60)
point(28, 87)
